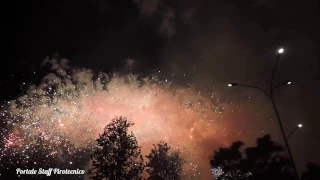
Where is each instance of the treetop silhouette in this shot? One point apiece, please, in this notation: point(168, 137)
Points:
point(162, 165)
point(117, 155)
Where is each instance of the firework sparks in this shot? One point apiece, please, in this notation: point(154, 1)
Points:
point(74, 105)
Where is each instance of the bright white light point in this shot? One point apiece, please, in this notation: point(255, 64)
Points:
point(70, 162)
point(280, 51)
point(61, 125)
point(289, 82)
point(300, 125)
point(229, 85)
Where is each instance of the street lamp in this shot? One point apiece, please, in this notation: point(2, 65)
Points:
point(232, 84)
point(280, 51)
point(270, 95)
point(294, 130)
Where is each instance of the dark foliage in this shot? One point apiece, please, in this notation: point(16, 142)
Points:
point(162, 165)
point(312, 173)
point(117, 155)
point(263, 162)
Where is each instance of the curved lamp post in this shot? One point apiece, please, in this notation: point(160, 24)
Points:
point(294, 130)
point(270, 95)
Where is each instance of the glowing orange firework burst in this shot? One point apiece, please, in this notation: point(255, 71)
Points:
point(78, 106)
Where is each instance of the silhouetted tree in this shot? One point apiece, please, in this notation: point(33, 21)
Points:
point(265, 161)
point(117, 155)
point(162, 165)
point(229, 160)
point(312, 173)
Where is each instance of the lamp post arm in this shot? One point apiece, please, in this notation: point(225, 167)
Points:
point(292, 132)
point(254, 87)
point(281, 84)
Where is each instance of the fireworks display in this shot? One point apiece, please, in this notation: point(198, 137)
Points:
point(75, 104)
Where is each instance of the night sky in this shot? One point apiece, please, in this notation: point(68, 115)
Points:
point(200, 44)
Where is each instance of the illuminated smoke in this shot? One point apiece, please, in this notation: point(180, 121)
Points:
point(77, 104)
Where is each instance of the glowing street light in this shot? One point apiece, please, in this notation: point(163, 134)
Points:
point(281, 84)
point(299, 125)
point(233, 84)
point(280, 51)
